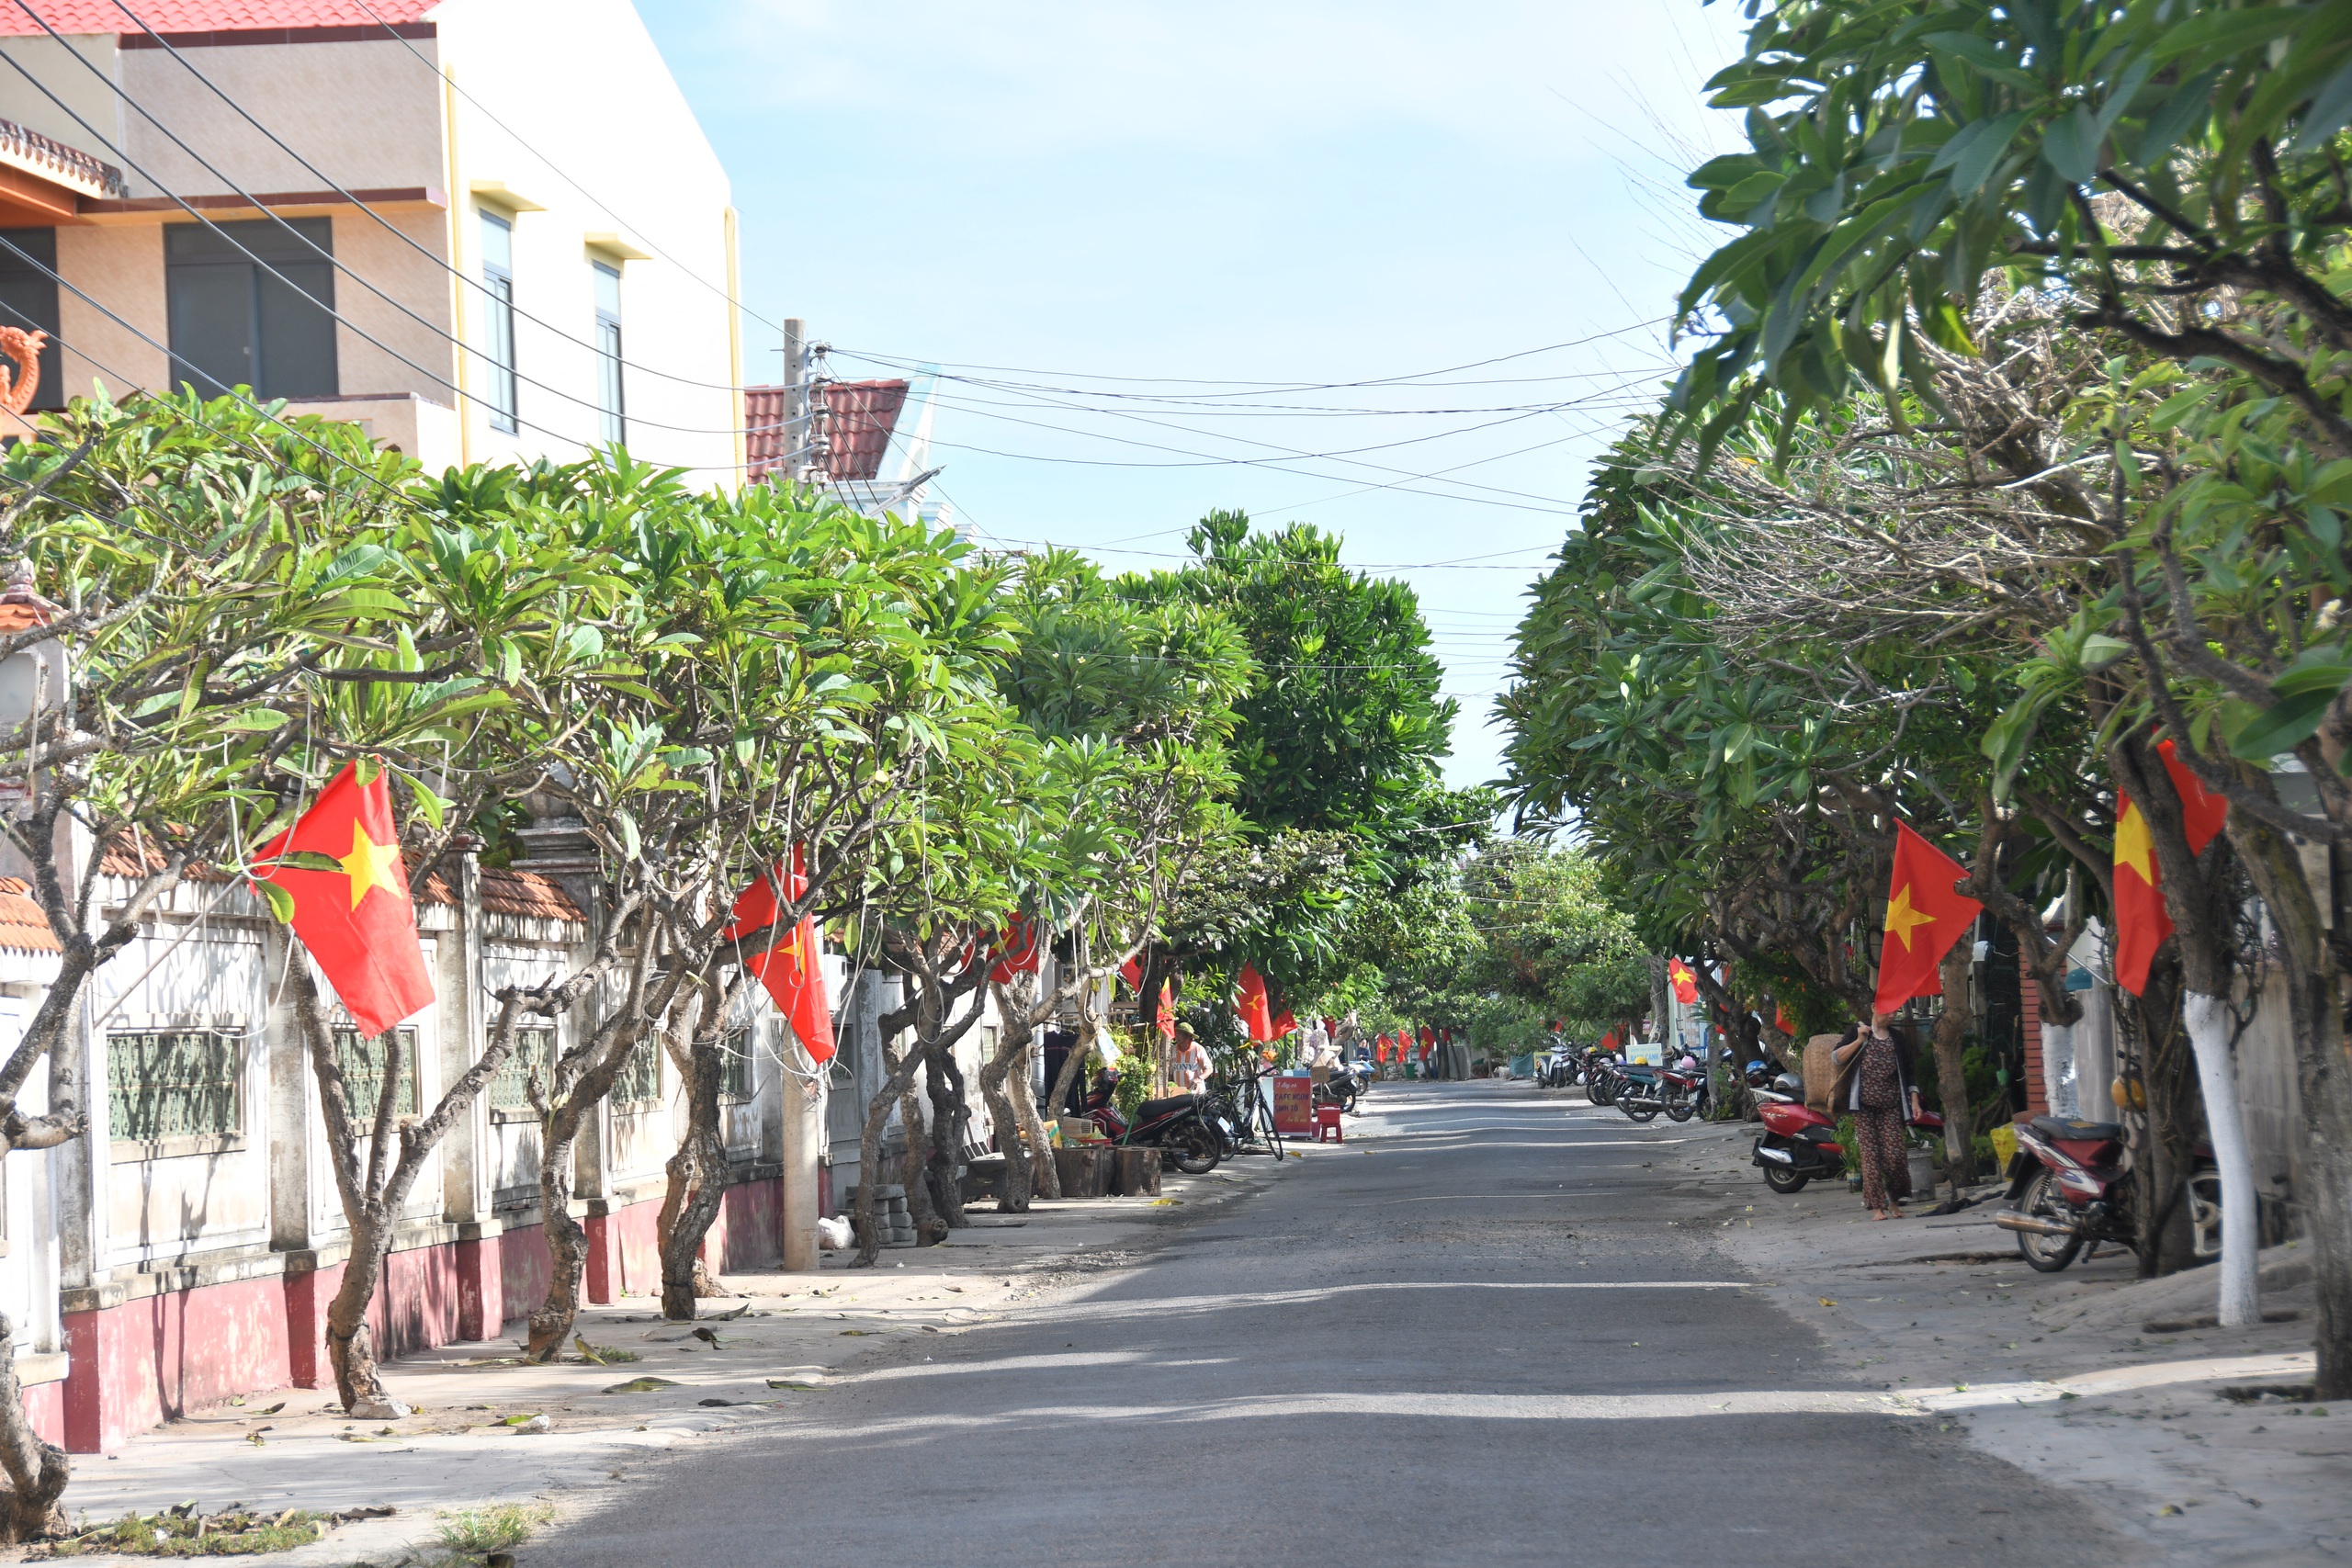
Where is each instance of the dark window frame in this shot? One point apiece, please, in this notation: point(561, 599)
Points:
point(284, 290)
point(31, 279)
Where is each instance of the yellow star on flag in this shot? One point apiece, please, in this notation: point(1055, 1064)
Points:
point(372, 864)
point(2134, 847)
point(1902, 919)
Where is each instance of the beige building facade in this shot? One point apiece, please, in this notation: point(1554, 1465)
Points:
point(488, 230)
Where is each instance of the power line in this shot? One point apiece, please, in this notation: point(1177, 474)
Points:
point(451, 82)
point(382, 222)
point(1293, 386)
point(340, 319)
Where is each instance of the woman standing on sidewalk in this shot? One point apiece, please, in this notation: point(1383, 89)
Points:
point(1874, 1083)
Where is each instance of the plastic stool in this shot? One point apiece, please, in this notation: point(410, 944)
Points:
point(1327, 1120)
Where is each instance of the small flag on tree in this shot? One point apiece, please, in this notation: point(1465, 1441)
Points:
point(786, 964)
point(1017, 949)
point(1924, 917)
point(1686, 983)
point(356, 919)
point(1256, 1014)
point(2141, 922)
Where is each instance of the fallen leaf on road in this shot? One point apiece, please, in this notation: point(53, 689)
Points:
point(796, 1387)
point(1827, 1303)
point(641, 1385)
point(273, 1409)
point(520, 1420)
point(928, 1328)
point(858, 1333)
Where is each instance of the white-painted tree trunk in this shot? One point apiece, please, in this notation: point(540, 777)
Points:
point(2060, 1088)
point(2208, 1037)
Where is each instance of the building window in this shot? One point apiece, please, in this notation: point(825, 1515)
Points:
point(498, 329)
point(237, 322)
point(735, 1066)
point(175, 1083)
point(640, 1079)
point(28, 300)
point(611, 424)
point(361, 1056)
point(510, 1086)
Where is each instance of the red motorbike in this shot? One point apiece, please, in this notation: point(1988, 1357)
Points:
point(1800, 1144)
point(2071, 1186)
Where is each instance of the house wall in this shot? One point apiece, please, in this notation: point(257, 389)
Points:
point(377, 118)
point(600, 109)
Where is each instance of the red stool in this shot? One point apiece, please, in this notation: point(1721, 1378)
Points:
point(1327, 1120)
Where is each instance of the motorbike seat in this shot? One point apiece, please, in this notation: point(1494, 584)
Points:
point(2067, 1130)
point(1153, 1109)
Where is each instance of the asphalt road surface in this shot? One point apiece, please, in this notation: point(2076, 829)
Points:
point(1470, 1337)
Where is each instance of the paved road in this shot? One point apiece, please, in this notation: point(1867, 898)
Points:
point(1471, 1338)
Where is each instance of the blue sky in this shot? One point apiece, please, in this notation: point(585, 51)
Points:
point(1243, 208)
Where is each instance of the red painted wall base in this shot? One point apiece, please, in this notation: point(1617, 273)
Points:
point(154, 1359)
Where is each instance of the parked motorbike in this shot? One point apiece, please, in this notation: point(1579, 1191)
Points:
point(1800, 1144)
point(1172, 1125)
point(2070, 1189)
point(1346, 1082)
point(1605, 1077)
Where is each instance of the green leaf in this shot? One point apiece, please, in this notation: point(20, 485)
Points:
point(255, 719)
point(2071, 144)
point(281, 902)
point(1972, 154)
point(2331, 108)
point(2281, 727)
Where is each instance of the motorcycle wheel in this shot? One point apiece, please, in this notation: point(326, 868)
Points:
point(1681, 1110)
point(1347, 1098)
point(1640, 1112)
point(2044, 1254)
point(1603, 1092)
point(1784, 1179)
point(1194, 1149)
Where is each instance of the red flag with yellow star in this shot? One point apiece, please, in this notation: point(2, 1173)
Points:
point(355, 920)
point(2141, 922)
point(1924, 917)
point(1685, 983)
point(786, 964)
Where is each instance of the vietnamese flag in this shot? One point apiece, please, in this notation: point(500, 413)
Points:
point(1016, 950)
point(1924, 917)
point(1255, 1014)
point(1284, 1023)
point(1166, 1017)
point(2141, 920)
point(357, 919)
point(1686, 983)
point(786, 965)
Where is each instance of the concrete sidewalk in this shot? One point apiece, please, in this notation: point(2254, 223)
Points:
point(2091, 1378)
point(789, 1336)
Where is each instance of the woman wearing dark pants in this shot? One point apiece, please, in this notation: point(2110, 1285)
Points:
point(1874, 1085)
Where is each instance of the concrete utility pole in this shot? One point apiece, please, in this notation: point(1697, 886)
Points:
point(796, 398)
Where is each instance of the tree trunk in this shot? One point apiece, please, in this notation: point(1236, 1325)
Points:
point(2206, 1020)
point(1952, 1072)
point(946, 1084)
point(351, 1344)
point(37, 1470)
point(2312, 979)
point(697, 1186)
point(2164, 1129)
point(567, 1241)
point(1013, 1134)
point(914, 1160)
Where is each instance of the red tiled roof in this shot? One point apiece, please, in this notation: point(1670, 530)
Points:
point(209, 16)
point(23, 928)
point(857, 419)
point(20, 618)
point(765, 436)
point(510, 892)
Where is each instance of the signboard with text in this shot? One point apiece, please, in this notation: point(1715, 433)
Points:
point(1294, 1105)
